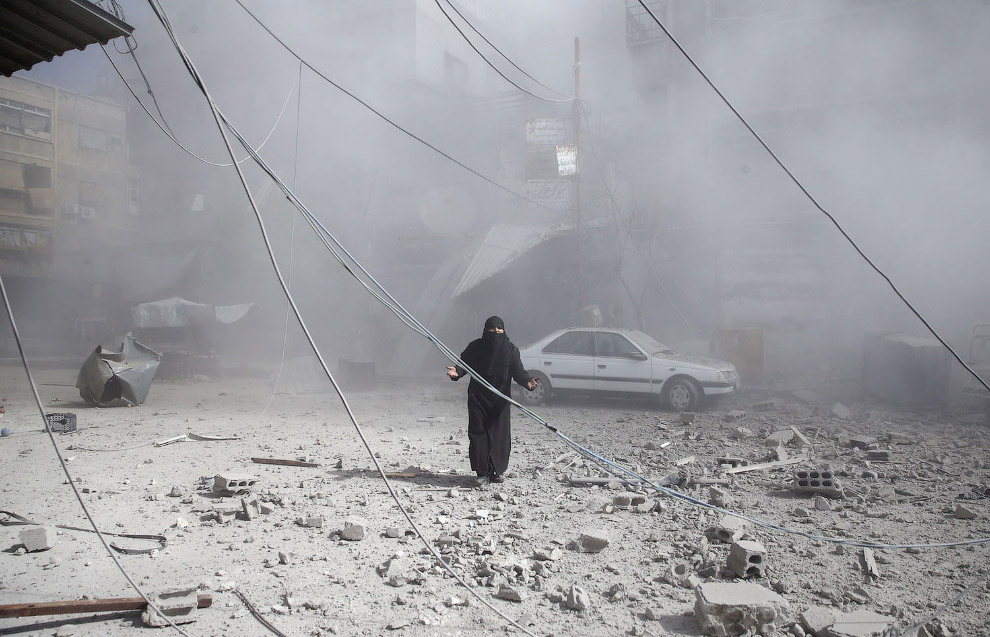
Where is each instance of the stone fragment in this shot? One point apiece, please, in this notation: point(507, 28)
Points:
point(577, 598)
point(38, 538)
point(592, 541)
point(816, 619)
point(250, 510)
point(779, 438)
point(550, 553)
point(511, 593)
point(355, 528)
point(737, 608)
point(176, 492)
point(860, 623)
point(178, 605)
point(964, 513)
point(868, 564)
point(315, 521)
point(822, 503)
point(393, 532)
point(878, 455)
point(734, 415)
point(747, 558)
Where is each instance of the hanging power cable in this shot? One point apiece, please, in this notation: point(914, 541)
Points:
point(504, 57)
point(489, 62)
point(392, 123)
point(812, 199)
point(223, 126)
point(163, 125)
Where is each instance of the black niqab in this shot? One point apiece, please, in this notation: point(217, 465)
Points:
point(497, 347)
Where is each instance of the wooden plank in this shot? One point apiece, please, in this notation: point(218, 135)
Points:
point(287, 463)
point(34, 609)
point(400, 475)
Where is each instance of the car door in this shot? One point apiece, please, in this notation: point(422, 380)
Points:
point(620, 365)
point(569, 360)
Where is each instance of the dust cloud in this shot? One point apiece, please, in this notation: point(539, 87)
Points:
point(686, 225)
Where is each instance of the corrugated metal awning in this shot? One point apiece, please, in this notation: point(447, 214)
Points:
point(502, 245)
point(33, 31)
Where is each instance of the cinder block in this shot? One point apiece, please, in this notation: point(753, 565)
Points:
point(179, 605)
point(747, 558)
point(233, 483)
point(38, 538)
point(737, 608)
point(818, 482)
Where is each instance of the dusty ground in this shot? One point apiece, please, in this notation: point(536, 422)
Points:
point(307, 581)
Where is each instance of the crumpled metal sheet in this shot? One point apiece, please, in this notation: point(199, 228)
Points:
point(109, 378)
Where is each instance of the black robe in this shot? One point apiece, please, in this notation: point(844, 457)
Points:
point(488, 415)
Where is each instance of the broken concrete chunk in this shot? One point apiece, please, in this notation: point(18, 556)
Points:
point(355, 528)
point(779, 438)
point(178, 605)
point(38, 538)
point(735, 414)
point(868, 564)
point(737, 608)
point(510, 593)
point(577, 598)
point(861, 623)
point(964, 513)
point(550, 553)
point(878, 455)
point(233, 483)
point(592, 541)
point(816, 619)
point(687, 417)
point(862, 442)
point(729, 529)
point(895, 438)
point(747, 558)
point(314, 521)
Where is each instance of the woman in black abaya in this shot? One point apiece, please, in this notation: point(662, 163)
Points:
point(496, 359)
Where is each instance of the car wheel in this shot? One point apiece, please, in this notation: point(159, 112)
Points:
point(542, 392)
point(681, 394)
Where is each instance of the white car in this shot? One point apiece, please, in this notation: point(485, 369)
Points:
point(592, 360)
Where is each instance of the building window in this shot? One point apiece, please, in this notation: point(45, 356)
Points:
point(25, 119)
point(94, 138)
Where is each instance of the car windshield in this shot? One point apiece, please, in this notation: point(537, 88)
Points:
point(650, 344)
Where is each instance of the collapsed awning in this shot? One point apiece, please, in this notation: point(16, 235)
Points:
point(33, 31)
point(502, 245)
point(177, 312)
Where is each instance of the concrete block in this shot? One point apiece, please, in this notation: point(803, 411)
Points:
point(178, 605)
point(747, 559)
point(687, 417)
point(355, 528)
point(817, 481)
point(38, 538)
point(816, 619)
point(878, 455)
point(233, 483)
point(592, 541)
point(729, 529)
point(861, 623)
point(737, 608)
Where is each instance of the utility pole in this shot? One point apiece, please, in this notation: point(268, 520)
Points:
point(576, 116)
